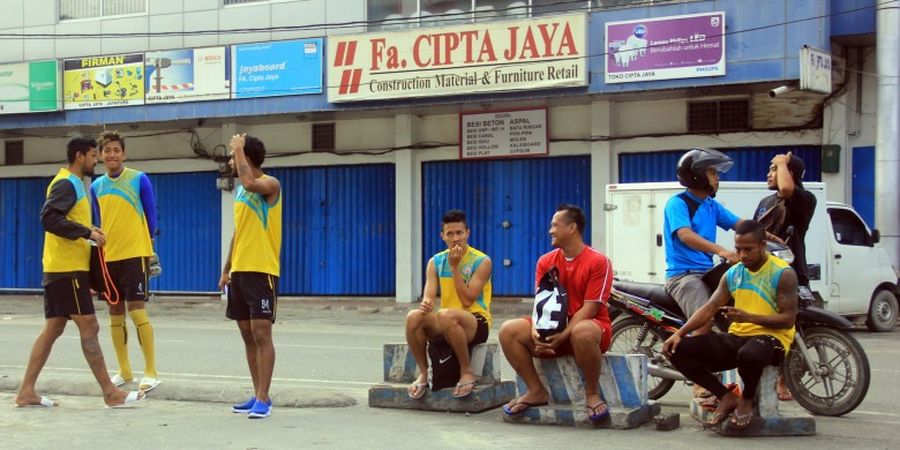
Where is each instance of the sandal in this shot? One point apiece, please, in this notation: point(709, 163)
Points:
point(418, 390)
point(595, 415)
point(463, 386)
point(508, 409)
point(741, 422)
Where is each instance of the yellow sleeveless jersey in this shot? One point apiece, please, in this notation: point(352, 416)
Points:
point(467, 267)
point(122, 216)
point(257, 233)
point(757, 293)
point(67, 255)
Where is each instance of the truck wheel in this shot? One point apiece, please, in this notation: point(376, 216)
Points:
point(882, 311)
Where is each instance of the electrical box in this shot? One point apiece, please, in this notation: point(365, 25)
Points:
point(831, 158)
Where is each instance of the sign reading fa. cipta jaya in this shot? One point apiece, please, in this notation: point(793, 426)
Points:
point(548, 52)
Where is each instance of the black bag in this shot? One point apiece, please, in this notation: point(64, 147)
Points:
point(551, 305)
point(444, 366)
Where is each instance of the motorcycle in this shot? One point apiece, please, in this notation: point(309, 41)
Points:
point(826, 369)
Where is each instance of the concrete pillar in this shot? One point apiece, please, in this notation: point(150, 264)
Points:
point(835, 132)
point(408, 211)
point(887, 144)
point(227, 216)
point(601, 171)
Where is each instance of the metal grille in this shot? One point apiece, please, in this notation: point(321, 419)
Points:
point(720, 115)
point(322, 137)
point(86, 9)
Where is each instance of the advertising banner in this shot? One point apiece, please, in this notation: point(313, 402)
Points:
point(29, 87)
point(548, 52)
point(273, 69)
point(500, 134)
point(187, 75)
point(103, 81)
point(666, 48)
point(815, 70)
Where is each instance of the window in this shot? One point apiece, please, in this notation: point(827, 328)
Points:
point(94, 9)
point(718, 116)
point(14, 154)
point(400, 14)
point(848, 229)
point(322, 137)
point(392, 14)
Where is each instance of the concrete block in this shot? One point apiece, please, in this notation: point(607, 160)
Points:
point(767, 419)
point(623, 384)
point(482, 398)
point(400, 366)
point(667, 422)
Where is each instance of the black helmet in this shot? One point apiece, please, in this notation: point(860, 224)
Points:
point(693, 164)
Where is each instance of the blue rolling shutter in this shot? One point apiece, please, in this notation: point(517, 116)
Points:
point(21, 233)
point(523, 192)
point(190, 232)
point(339, 234)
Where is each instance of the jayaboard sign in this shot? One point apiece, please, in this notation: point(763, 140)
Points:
point(548, 52)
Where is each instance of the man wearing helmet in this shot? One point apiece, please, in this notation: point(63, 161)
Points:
point(690, 224)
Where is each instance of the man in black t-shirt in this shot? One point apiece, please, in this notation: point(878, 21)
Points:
point(787, 213)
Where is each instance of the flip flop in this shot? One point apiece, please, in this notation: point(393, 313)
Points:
point(463, 385)
point(45, 403)
point(737, 417)
point(712, 402)
point(595, 416)
point(148, 384)
point(130, 401)
point(118, 381)
point(508, 410)
point(418, 391)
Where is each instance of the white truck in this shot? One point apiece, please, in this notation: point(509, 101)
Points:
point(849, 273)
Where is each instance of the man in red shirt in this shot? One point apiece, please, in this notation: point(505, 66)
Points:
point(587, 276)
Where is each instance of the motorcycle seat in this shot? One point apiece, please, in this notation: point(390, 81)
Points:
point(654, 292)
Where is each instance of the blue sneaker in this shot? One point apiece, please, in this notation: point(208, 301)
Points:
point(260, 410)
point(245, 407)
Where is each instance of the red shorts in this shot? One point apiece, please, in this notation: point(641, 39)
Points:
point(566, 348)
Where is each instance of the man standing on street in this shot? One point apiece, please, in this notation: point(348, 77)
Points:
point(66, 218)
point(125, 207)
point(252, 269)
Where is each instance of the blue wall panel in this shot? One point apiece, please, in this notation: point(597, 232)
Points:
point(863, 187)
point(524, 192)
point(750, 164)
point(849, 17)
point(21, 233)
point(190, 231)
point(339, 233)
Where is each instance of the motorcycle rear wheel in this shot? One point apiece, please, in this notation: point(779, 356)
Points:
point(624, 340)
point(844, 368)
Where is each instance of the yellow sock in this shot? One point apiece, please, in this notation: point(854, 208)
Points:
point(119, 334)
point(145, 337)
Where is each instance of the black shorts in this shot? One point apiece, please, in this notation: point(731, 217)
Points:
point(481, 330)
point(130, 278)
point(252, 295)
point(67, 296)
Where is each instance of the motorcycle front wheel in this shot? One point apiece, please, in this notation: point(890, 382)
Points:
point(842, 365)
point(624, 340)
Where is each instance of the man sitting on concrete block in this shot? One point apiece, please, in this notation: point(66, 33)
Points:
point(586, 275)
point(464, 319)
point(764, 289)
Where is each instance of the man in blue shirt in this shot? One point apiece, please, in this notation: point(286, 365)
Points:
point(691, 218)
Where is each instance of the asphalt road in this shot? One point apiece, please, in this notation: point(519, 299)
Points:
point(332, 351)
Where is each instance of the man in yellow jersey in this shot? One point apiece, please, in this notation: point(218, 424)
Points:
point(125, 208)
point(66, 218)
point(464, 318)
point(764, 289)
point(252, 269)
